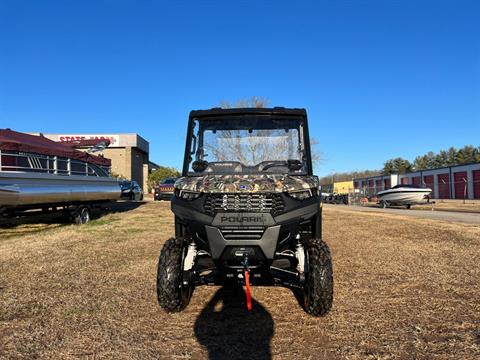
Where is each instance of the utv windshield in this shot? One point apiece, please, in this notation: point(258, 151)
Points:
point(247, 145)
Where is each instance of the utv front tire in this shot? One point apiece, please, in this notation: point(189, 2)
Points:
point(318, 291)
point(172, 295)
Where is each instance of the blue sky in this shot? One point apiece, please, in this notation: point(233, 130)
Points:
point(379, 79)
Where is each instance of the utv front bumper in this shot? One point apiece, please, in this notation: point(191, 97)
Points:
point(228, 232)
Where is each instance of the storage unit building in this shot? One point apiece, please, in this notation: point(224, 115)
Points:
point(454, 182)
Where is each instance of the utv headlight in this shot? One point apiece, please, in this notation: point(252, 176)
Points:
point(188, 195)
point(301, 195)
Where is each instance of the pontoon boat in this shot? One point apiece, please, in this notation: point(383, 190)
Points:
point(36, 172)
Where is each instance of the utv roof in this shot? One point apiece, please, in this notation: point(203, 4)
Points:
point(247, 111)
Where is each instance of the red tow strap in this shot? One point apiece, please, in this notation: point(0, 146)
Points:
point(247, 288)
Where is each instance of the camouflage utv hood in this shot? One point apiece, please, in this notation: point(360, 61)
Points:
point(246, 183)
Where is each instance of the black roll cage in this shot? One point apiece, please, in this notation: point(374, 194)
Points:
point(266, 113)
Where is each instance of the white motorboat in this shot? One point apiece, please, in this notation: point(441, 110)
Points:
point(403, 195)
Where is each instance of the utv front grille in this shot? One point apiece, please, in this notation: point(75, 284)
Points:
point(251, 202)
point(242, 233)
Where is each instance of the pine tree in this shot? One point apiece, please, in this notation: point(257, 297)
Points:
point(441, 159)
point(468, 154)
point(401, 166)
point(462, 157)
point(430, 159)
point(388, 167)
point(421, 163)
point(452, 157)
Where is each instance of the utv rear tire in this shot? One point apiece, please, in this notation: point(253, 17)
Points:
point(172, 295)
point(318, 291)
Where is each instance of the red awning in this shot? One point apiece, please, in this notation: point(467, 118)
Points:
point(16, 141)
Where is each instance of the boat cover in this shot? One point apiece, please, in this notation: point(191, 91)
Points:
point(16, 141)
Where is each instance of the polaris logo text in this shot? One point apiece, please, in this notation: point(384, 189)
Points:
point(240, 219)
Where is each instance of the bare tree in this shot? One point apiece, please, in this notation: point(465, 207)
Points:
point(347, 176)
point(316, 156)
point(253, 101)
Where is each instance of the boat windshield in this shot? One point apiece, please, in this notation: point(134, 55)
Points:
point(411, 186)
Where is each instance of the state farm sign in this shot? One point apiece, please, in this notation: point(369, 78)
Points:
point(114, 139)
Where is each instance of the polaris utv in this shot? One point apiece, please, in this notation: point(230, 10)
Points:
point(247, 210)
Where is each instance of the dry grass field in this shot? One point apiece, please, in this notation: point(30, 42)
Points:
point(469, 206)
point(404, 289)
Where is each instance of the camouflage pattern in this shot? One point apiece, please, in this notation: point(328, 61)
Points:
point(246, 183)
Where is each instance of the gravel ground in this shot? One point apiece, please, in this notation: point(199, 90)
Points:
point(405, 288)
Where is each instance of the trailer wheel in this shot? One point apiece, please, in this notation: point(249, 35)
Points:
point(82, 215)
point(317, 295)
point(408, 206)
point(384, 204)
point(172, 294)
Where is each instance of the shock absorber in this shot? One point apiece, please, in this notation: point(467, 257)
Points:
point(190, 257)
point(301, 263)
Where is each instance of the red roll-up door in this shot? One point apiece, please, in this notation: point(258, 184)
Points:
point(387, 184)
point(416, 180)
point(370, 187)
point(443, 186)
point(404, 181)
point(356, 185)
point(429, 183)
point(476, 184)
point(378, 185)
point(460, 185)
